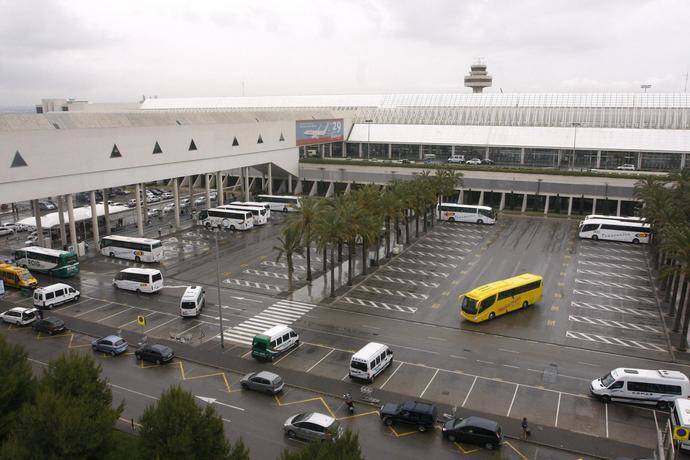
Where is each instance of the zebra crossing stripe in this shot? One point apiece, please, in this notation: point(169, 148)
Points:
point(597, 255)
point(614, 341)
point(628, 276)
point(425, 262)
point(450, 241)
point(394, 292)
point(616, 285)
point(270, 263)
point(610, 308)
point(609, 295)
point(251, 271)
point(245, 283)
point(459, 230)
point(435, 254)
point(382, 305)
point(592, 263)
point(616, 324)
point(416, 272)
point(390, 279)
point(276, 314)
point(441, 248)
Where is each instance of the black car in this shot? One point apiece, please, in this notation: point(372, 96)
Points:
point(473, 430)
point(155, 353)
point(486, 161)
point(422, 415)
point(50, 325)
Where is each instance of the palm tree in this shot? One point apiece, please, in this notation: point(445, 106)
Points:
point(349, 213)
point(391, 209)
point(327, 229)
point(369, 220)
point(310, 207)
point(447, 181)
point(290, 244)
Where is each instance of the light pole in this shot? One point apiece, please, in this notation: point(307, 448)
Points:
point(645, 87)
point(368, 122)
point(572, 159)
point(220, 307)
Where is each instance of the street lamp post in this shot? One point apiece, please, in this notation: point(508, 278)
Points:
point(368, 122)
point(645, 87)
point(220, 307)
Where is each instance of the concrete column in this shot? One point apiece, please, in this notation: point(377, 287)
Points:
point(461, 197)
point(598, 159)
point(330, 152)
point(481, 198)
point(570, 205)
point(360, 150)
point(390, 151)
point(618, 208)
point(343, 153)
point(524, 202)
point(191, 191)
point(207, 189)
point(503, 201)
point(683, 160)
point(421, 152)
point(94, 220)
point(270, 174)
point(546, 205)
point(594, 206)
point(61, 218)
point(72, 224)
point(290, 183)
point(106, 211)
point(219, 186)
point(144, 202)
point(39, 224)
point(176, 201)
point(246, 184)
point(522, 156)
point(137, 208)
point(486, 153)
point(452, 150)
point(639, 160)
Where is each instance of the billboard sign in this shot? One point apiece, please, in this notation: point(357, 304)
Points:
point(319, 131)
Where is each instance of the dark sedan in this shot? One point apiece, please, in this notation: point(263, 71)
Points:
point(155, 354)
point(473, 430)
point(50, 325)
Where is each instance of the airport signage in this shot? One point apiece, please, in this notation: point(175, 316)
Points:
point(319, 131)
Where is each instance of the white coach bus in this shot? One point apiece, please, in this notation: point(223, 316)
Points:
point(613, 230)
point(228, 219)
point(285, 203)
point(454, 212)
point(618, 218)
point(258, 212)
point(266, 206)
point(137, 249)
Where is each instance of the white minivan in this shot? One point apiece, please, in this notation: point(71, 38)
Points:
point(147, 280)
point(273, 342)
point(370, 361)
point(192, 301)
point(55, 294)
point(642, 386)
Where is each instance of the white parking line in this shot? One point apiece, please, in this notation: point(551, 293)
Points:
point(162, 324)
point(93, 309)
point(287, 354)
point(428, 384)
point(513, 400)
point(391, 376)
point(437, 338)
point(468, 393)
point(317, 362)
point(606, 411)
point(115, 314)
point(74, 304)
point(558, 409)
point(508, 351)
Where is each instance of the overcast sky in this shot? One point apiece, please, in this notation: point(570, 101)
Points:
point(120, 50)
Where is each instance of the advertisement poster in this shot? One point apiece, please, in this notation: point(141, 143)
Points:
point(319, 131)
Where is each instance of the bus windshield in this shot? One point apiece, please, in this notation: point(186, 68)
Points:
point(69, 260)
point(469, 305)
point(607, 380)
point(25, 276)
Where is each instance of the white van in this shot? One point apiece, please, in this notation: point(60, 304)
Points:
point(680, 416)
point(273, 342)
point(370, 361)
point(139, 280)
point(641, 386)
point(55, 294)
point(192, 301)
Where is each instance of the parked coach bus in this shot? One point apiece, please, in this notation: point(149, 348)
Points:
point(258, 212)
point(453, 212)
point(613, 230)
point(619, 218)
point(228, 219)
point(62, 264)
point(500, 297)
point(266, 206)
point(137, 249)
point(285, 203)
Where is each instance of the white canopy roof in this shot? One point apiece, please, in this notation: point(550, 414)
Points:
point(82, 213)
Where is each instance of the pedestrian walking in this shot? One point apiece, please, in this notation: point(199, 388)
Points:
point(525, 428)
point(160, 232)
point(39, 313)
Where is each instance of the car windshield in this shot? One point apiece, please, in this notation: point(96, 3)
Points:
point(71, 260)
point(359, 366)
point(25, 276)
point(188, 305)
point(607, 380)
point(300, 417)
point(469, 305)
point(458, 423)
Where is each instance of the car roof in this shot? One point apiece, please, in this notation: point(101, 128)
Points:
point(159, 347)
point(418, 406)
point(319, 419)
point(481, 423)
point(52, 319)
point(267, 375)
point(22, 309)
point(112, 338)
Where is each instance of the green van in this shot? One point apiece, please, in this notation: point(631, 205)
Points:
point(273, 342)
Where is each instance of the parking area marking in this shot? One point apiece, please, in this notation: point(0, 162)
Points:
point(626, 276)
point(611, 308)
point(615, 341)
point(614, 285)
point(281, 312)
point(251, 271)
point(317, 363)
point(597, 255)
point(590, 263)
point(616, 324)
point(435, 254)
point(416, 272)
point(470, 391)
point(441, 248)
point(270, 263)
point(244, 283)
point(512, 401)
point(392, 374)
point(449, 241)
point(429, 383)
point(89, 311)
point(427, 263)
point(381, 305)
point(390, 279)
point(115, 314)
point(393, 292)
point(608, 295)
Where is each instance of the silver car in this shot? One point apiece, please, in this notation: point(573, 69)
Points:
point(264, 381)
point(313, 426)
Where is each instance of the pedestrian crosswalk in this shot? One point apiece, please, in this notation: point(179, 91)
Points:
point(281, 312)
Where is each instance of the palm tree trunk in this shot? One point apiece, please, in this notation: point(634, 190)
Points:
point(683, 295)
point(325, 260)
point(416, 224)
point(425, 215)
point(291, 269)
point(669, 280)
point(440, 200)
point(683, 345)
point(340, 252)
point(671, 292)
point(397, 230)
point(388, 237)
point(350, 251)
point(364, 257)
point(407, 226)
point(332, 271)
point(308, 261)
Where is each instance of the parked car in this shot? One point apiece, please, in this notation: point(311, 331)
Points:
point(264, 381)
point(132, 202)
point(313, 426)
point(200, 201)
point(473, 430)
point(166, 195)
point(155, 353)
point(627, 167)
point(19, 316)
point(184, 203)
point(170, 207)
point(46, 205)
point(119, 203)
point(420, 414)
point(5, 230)
point(474, 161)
point(456, 159)
point(50, 325)
point(152, 199)
point(118, 191)
point(112, 344)
point(487, 161)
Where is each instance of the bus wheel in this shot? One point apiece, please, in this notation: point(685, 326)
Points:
point(595, 237)
point(492, 315)
point(232, 228)
point(636, 241)
point(112, 255)
point(137, 259)
point(479, 221)
point(208, 225)
point(525, 304)
point(285, 210)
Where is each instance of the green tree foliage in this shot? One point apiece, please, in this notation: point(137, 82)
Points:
point(176, 427)
point(17, 384)
point(345, 448)
point(290, 244)
point(72, 415)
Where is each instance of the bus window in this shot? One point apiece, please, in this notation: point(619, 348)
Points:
point(487, 303)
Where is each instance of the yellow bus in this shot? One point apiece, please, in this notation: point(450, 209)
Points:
point(494, 299)
point(17, 277)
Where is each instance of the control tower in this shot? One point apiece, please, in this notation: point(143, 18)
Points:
point(478, 78)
